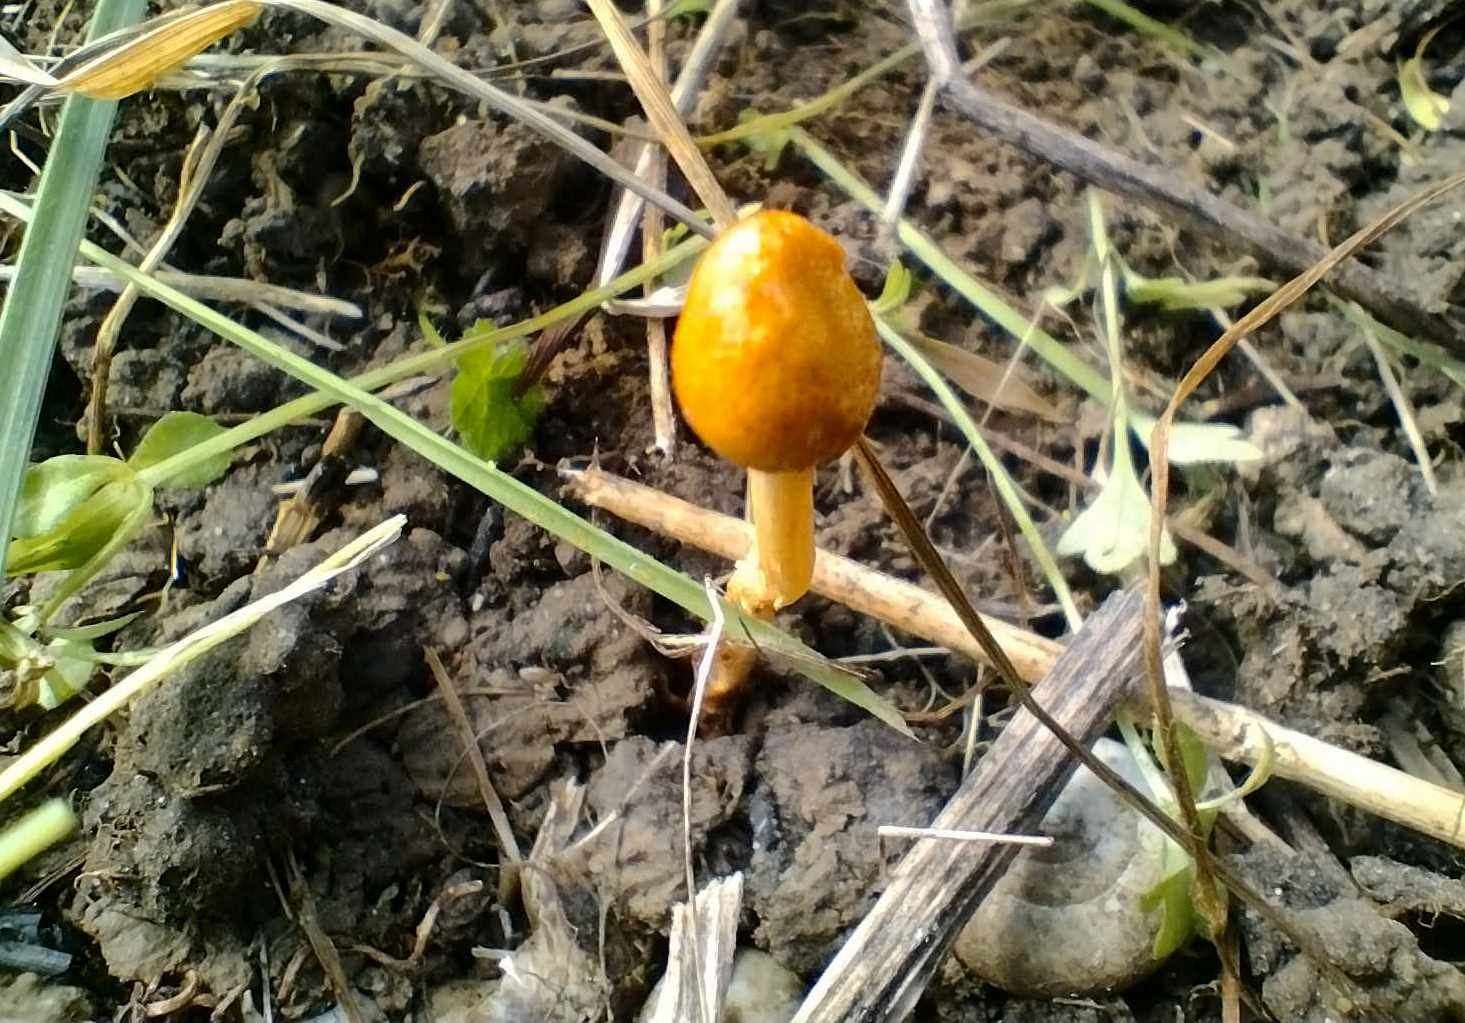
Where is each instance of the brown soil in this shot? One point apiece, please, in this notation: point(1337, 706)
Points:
point(227, 796)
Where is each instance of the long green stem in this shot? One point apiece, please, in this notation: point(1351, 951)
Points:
point(1052, 351)
point(32, 314)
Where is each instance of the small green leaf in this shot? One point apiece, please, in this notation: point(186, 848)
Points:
point(491, 421)
point(1176, 294)
point(54, 488)
point(88, 529)
point(1427, 107)
point(896, 292)
point(1172, 897)
point(1114, 530)
point(767, 144)
point(97, 630)
point(45, 675)
point(173, 434)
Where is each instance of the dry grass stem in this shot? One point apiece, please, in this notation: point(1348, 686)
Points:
point(1404, 407)
point(662, 113)
point(508, 844)
point(840, 579)
point(1235, 732)
point(663, 415)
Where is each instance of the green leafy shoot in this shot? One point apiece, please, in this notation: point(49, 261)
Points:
point(51, 490)
point(76, 511)
point(1176, 294)
point(44, 675)
point(85, 530)
point(1172, 893)
point(1113, 531)
point(1427, 107)
point(896, 291)
point(491, 420)
point(174, 433)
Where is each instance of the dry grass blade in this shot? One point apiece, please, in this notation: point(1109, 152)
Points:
point(508, 844)
point(137, 64)
point(662, 113)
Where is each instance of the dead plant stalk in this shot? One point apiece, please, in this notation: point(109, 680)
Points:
point(1235, 732)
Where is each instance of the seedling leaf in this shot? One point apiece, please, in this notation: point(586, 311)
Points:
point(1172, 897)
point(1176, 294)
point(87, 530)
point(895, 293)
point(491, 421)
point(174, 433)
point(1113, 532)
point(1427, 107)
point(52, 489)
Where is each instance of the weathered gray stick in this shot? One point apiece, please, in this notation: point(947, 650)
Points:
point(885, 965)
point(1160, 188)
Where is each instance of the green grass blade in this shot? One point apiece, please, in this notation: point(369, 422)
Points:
point(492, 481)
point(32, 314)
point(995, 469)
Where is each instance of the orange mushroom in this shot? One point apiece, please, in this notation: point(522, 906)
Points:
point(776, 366)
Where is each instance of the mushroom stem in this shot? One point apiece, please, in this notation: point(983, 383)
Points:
point(779, 568)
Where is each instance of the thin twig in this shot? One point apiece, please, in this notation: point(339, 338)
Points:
point(662, 114)
point(198, 167)
point(1403, 407)
point(663, 417)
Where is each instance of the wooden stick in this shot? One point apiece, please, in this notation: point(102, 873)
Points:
point(885, 965)
point(1161, 189)
point(1235, 732)
point(842, 580)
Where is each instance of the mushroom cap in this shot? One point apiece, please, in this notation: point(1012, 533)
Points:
point(775, 361)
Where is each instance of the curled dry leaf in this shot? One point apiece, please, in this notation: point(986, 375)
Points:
point(136, 65)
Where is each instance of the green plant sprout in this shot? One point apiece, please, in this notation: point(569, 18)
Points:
point(492, 420)
point(36, 831)
point(1426, 107)
point(32, 313)
point(76, 511)
point(1113, 531)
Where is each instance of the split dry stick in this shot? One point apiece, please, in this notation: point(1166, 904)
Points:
point(1234, 732)
point(1161, 189)
point(663, 417)
point(885, 965)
